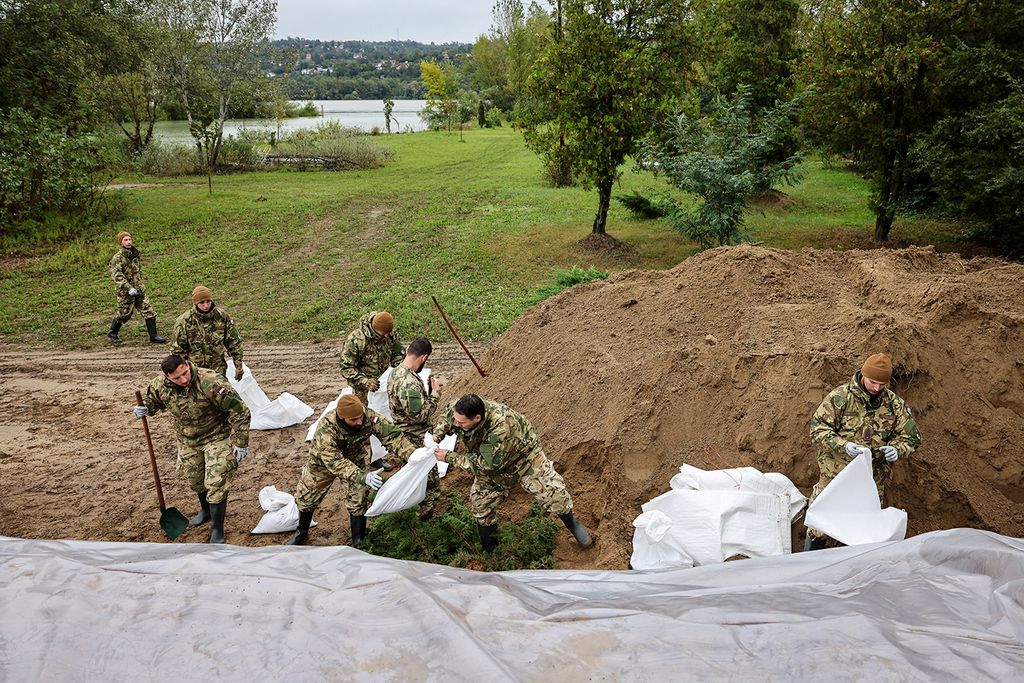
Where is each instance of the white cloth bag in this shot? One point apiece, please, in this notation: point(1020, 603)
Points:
point(656, 545)
point(408, 486)
point(283, 411)
point(850, 511)
point(282, 512)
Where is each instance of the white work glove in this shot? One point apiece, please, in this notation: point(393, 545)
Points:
point(890, 453)
point(239, 453)
point(133, 292)
point(140, 411)
point(373, 479)
point(855, 449)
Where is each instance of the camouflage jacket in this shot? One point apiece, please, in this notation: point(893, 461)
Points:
point(367, 355)
point(205, 338)
point(411, 406)
point(126, 271)
point(207, 409)
point(343, 450)
point(502, 445)
point(849, 413)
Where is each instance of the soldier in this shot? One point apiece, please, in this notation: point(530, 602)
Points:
point(370, 349)
point(126, 272)
point(340, 450)
point(411, 407)
point(502, 449)
point(861, 417)
point(212, 423)
point(206, 334)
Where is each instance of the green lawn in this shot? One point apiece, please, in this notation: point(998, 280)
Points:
point(301, 255)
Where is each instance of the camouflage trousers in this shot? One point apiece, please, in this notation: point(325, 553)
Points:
point(543, 483)
point(127, 305)
point(880, 474)
point(316, 481)
point(208, 468)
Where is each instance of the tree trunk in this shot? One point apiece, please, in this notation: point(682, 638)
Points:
point(604, 198)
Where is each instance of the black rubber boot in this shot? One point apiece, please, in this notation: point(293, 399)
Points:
point(302, 532)
point(577, 529)
point(217, 511)
point(115, 327)
point(153, 336)
point(204, 514)
point(358, 526)
point(382, 464)
point(812, 543)
point(488, 537)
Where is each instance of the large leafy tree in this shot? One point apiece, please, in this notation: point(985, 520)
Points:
point(442, 84)
point(874, 66)
point(615, 69)
point(209, 61)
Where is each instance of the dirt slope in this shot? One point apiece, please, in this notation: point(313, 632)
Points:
point(721, 361)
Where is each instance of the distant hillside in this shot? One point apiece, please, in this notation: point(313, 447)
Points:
point(354, 69)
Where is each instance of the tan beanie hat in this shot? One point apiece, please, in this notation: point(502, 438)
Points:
point(382, 323)
point(201, 293)
point(877, 368)
point(121, 235)
point(349, 407)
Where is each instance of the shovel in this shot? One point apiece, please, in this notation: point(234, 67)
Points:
point(171, 520)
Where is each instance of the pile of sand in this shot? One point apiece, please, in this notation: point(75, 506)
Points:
point(721, 361)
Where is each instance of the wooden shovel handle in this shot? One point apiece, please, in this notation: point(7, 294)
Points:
point(152, 456)
point(456, 335)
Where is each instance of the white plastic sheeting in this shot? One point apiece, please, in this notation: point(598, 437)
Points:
point(850, 511)
point(283, 411)
point(709, 516)
point(941, 606)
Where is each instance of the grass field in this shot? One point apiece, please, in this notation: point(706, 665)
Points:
point(301, 255)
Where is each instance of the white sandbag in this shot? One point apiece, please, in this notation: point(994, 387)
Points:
point(283, 411)
point(850, 511)
point(378, 400)
point(282, 512)
point(740, 479)
point(408, 486)
point(656, 545)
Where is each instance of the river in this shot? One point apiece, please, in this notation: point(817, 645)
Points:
point(363, 114)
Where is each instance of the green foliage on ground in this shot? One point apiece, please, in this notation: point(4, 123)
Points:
point(566, 279)
point(301, 255)
point(452, 539)
point(642, 206)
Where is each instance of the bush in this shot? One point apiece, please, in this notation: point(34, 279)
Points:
point(565, 279)
point(492, 118)
point(642, 207)
point(170, 159)
point(452, 539)
point(240, 150)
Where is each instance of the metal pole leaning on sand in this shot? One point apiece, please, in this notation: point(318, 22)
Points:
point(456, 335)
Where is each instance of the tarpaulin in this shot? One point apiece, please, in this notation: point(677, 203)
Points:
point(947, 605)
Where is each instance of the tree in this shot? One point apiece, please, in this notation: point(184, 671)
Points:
point(873, 64)
point(616, 69)
point(389, 106)
point(131, 100)
point(442, 84)
point(722, 158)
point(209, 63)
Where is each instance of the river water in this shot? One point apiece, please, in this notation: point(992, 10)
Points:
point(363, 114)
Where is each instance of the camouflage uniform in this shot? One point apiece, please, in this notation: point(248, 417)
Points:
point(502, 450)
point(209, 418)
point(367, 355)
point(850, 413)
point(411, 407)
point(206, 338)
point(340, 451)
point(126, 272)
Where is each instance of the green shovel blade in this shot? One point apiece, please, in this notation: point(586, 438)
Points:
point(173, 522)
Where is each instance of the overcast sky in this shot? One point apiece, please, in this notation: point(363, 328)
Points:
point(426, 21)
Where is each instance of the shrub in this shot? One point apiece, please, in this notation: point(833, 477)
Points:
point(565, 279)
point(170, 159)
point(452, 539)
point(492, 118)
point(642, 207)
